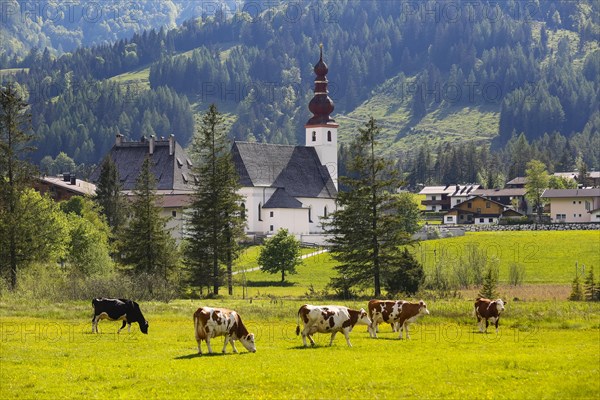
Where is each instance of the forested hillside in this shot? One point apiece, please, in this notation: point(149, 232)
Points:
point(434, 73)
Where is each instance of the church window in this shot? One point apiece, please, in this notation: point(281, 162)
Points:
point(325, 212)
point(329, 136)
point(271, 214)
point(271, 228)
point(314, 136)
point(310, 214)
point(243, 211)
point(260, 211)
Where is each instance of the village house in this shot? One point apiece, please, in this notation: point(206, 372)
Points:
point(170, 165)
point(573, 205)
point(510, 197)
point(443, 198)
point(64, 187)
point(479, 210)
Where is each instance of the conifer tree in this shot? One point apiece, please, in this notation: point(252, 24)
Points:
point(490, 282)
point(369, 226)
point(15, 174)
point(590, 287)
point(216, 220)
point(109, 197)
point(576, 292)
point(146, 246)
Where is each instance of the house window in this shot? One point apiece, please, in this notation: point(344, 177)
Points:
point(573, 201)
point(479, 211)
point(433, 198)
point(450, 219)
point(488, 204)
point(260, 211)
point(469, 205)
point(432, 208)
point(314, 136)
point(482, 220)
point(490, 219)
point(271, 214)
point(173, 213)
point(329, 136)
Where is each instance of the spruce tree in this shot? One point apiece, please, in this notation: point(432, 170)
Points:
point(15, 174)
point(369, 226)
point(490, 282)
point(146, 246)
point(216, 219)
point(576, 292)
point(109, 197)
point(590, 288)
point(537, 181)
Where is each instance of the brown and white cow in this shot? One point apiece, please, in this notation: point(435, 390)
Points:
point(488, 310)
point(383, 311)
point(398, 313)
point(211, 322)
point(329, 319)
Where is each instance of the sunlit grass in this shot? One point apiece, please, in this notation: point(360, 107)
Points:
point(551, 354)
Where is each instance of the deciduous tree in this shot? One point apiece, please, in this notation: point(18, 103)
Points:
point(281, 254)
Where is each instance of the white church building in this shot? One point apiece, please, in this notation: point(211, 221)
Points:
point(293, 187)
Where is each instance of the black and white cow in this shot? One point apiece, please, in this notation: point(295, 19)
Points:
point(124, 310)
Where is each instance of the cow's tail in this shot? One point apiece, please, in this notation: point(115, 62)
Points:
point(196, 326)
point(298, 322)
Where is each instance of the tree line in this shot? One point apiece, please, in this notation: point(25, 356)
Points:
point(257, 66)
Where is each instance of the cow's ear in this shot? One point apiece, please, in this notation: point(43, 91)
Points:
point(421, 302)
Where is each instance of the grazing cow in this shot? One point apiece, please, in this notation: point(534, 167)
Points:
point(488, 310)
point(211, 322)
point(124, 310)
point(329, 319)
point(398, 313)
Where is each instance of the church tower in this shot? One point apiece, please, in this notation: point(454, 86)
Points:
point(321, 129)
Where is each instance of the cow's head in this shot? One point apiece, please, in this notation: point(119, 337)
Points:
point(363, 318)
point(248, 342)
point(144, 326)
point(423, 308)
point(500, 304)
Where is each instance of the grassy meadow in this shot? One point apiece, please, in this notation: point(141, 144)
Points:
point(49, 352)
point(546, 347)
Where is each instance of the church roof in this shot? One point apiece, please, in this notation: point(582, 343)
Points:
point(297, 169)
point(281, 199)
point(172, 166)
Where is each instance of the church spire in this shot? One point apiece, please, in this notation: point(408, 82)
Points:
point(321, 104)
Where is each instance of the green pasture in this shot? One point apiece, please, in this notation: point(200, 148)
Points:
point(48, 352)
point(548, 256)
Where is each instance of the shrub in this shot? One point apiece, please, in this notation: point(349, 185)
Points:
point(516, 274)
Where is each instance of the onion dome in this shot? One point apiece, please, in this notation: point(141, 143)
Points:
point(321, 104)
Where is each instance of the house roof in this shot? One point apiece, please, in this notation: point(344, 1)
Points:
point(80, 187)
point(454, 190)
point(172, 171)
point(297, 169)
point(512, 192)
point(281, 199)
point(570, 193)
point(519, 180)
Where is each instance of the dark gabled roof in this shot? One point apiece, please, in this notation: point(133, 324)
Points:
point(281, 199)
point(172, 171)
point(297, 169)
